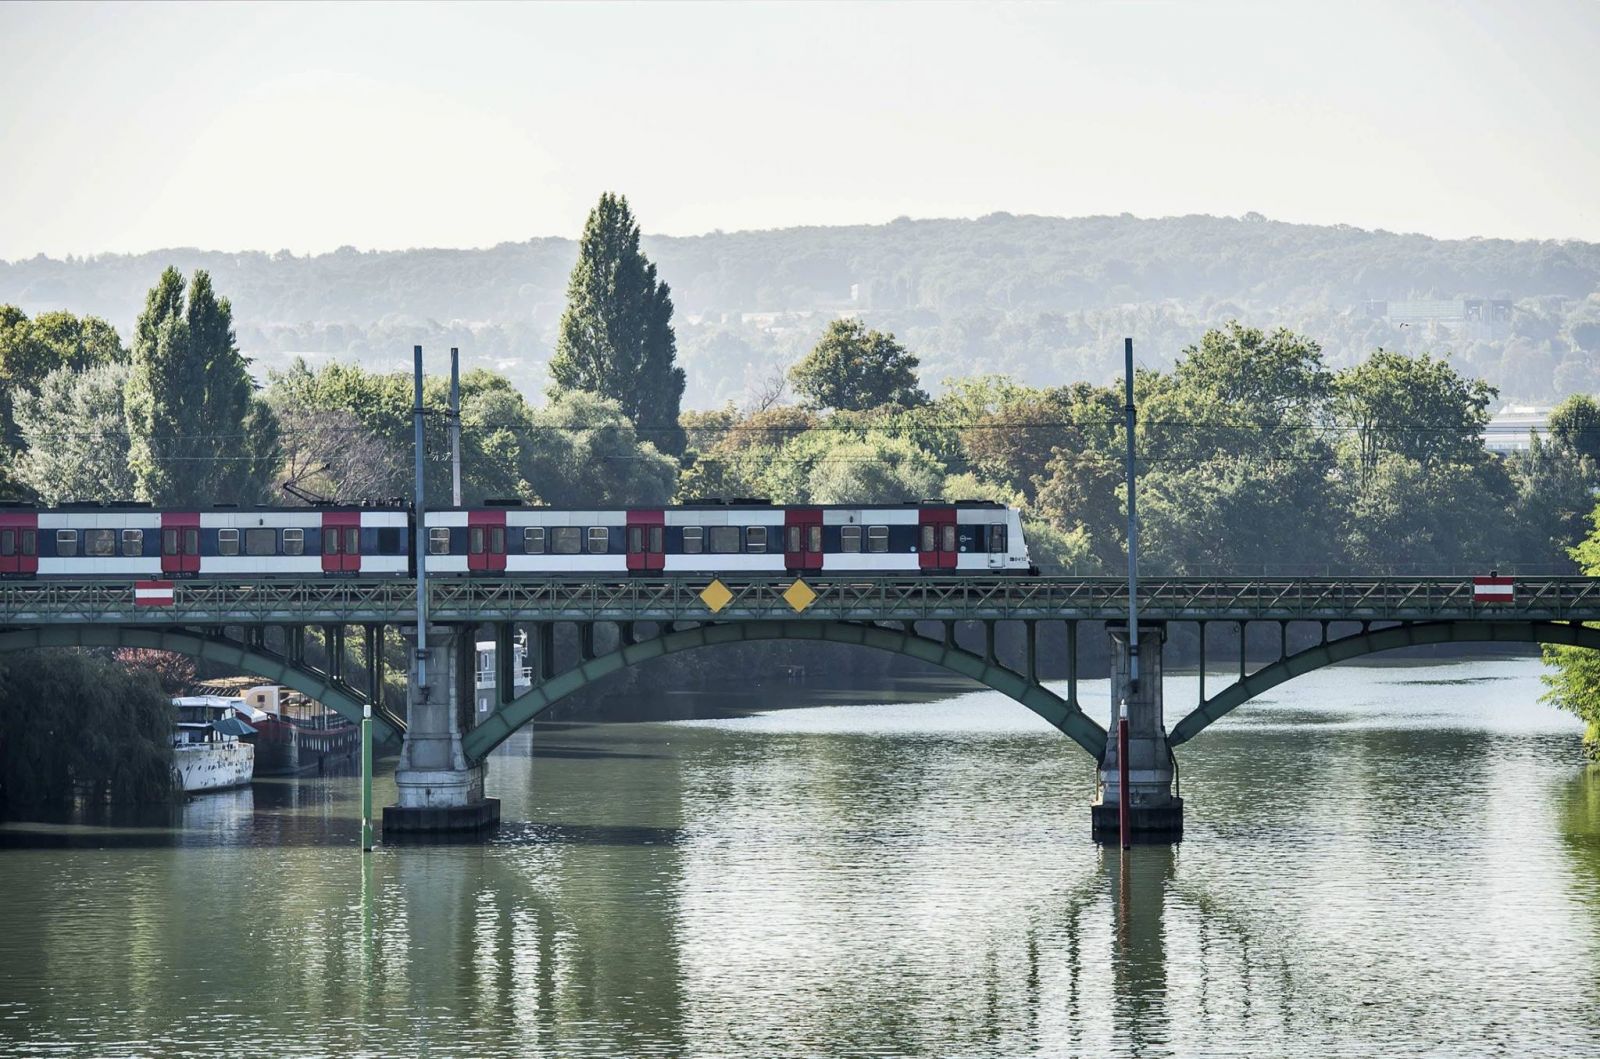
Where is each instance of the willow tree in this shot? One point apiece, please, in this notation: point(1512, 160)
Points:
point(198, 434)
point(616, 335)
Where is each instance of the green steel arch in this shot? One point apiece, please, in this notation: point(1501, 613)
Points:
point(1302, 662)
point(270, 668)
point(1066, 716)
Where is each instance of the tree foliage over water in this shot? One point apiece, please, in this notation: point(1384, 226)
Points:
point(73, 724)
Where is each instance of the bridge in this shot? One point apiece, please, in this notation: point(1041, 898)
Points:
point(325, 637)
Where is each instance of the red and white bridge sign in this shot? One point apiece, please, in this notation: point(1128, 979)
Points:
point(1493, 590)
point(152, 593)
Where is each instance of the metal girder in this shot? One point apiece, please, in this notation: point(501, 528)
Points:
point(1064, 715)
point(848, 599)
point(1370, 642)
point(271, 668)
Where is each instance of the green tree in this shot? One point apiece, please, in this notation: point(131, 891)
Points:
point(1574, 676)
point(616, 336)
point(586, 453)
point(1234, 472)
point(198, 433)
point(1554, 492)
point(875, 470)
point(1416, 407)
point(1575, 425)
point(121, 724)
point(74, 431)
point(31, 350)
point(853, 369)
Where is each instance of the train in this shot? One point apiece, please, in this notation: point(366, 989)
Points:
point(507, 539)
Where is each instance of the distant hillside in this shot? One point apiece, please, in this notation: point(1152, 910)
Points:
point(1042, 298)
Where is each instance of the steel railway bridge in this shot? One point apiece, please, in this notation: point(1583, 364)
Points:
point(325, 637)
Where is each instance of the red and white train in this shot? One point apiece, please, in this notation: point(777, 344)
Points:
point(135, 541)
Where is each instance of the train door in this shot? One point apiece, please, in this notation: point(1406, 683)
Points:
point(486, 541)
point(19, 544)
point(647, 542)
point(802, 539)
point(180, 543)
point(341, 542)
point(936, 538)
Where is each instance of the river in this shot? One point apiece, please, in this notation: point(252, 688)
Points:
point(1397, 860)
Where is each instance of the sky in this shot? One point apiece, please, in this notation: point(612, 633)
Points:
point(302, 127)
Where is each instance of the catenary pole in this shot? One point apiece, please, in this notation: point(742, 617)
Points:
point(1124, 796)
point(455, 427)
point(1133, 528)
point(419, 507)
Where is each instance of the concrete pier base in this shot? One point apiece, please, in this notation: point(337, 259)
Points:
point(1155, 814)
point(438, 792)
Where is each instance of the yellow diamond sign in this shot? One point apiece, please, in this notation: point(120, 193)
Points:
point(799, 596)
point(716, 596)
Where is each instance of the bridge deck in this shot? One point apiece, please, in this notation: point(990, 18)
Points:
point(353, 602)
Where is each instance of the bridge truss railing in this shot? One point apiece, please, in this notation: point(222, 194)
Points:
point(352, 601)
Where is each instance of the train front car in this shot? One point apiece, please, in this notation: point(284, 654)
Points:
point(964, 538)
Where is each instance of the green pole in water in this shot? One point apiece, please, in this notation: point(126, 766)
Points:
point(366, 779)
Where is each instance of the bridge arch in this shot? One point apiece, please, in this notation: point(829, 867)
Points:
point(1064, 715)
point(1571, 634)
point(271, 668)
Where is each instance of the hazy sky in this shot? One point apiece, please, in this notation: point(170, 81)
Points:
point(306, 127)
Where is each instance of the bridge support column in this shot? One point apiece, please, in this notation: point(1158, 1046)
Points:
point(438, 789)
point(1156, 814)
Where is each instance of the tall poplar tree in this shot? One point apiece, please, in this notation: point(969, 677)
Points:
point(616, 336)
point(198, 435)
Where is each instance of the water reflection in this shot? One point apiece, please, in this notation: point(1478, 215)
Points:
point(1404, 876)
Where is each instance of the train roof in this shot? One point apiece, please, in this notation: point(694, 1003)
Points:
point(712, 505)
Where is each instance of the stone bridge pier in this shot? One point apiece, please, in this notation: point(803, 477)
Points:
point(438, 788)
point(1156, 812)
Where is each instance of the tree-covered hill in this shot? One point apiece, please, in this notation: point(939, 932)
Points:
point(1041, 298)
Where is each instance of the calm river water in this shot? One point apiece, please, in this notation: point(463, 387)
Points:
point(1392, 861)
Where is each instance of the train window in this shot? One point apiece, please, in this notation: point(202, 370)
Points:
point(169, 542)
point(133, 542)
point(997, 539)
point(227, 541)
point(927, 537)
point(294, 541)
point(330, 541)
point(877, 538)
point(497, 540)
point(533, 540)
point(100, 542)
point(814, 539)
point(793, 542)
point(849, 538)
point(475, 541)
point(29, 544)
point(566, 540)
point(261, 541)
point(439, 540)
point(694, 540)
point(8, 542)
point(191, 541)
point(66, 542)
point(388, 540)
point(658, 539)
point(947, 535)
point(599, 539)
point(724, 539)
point(635, 540)
point(755, 539)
